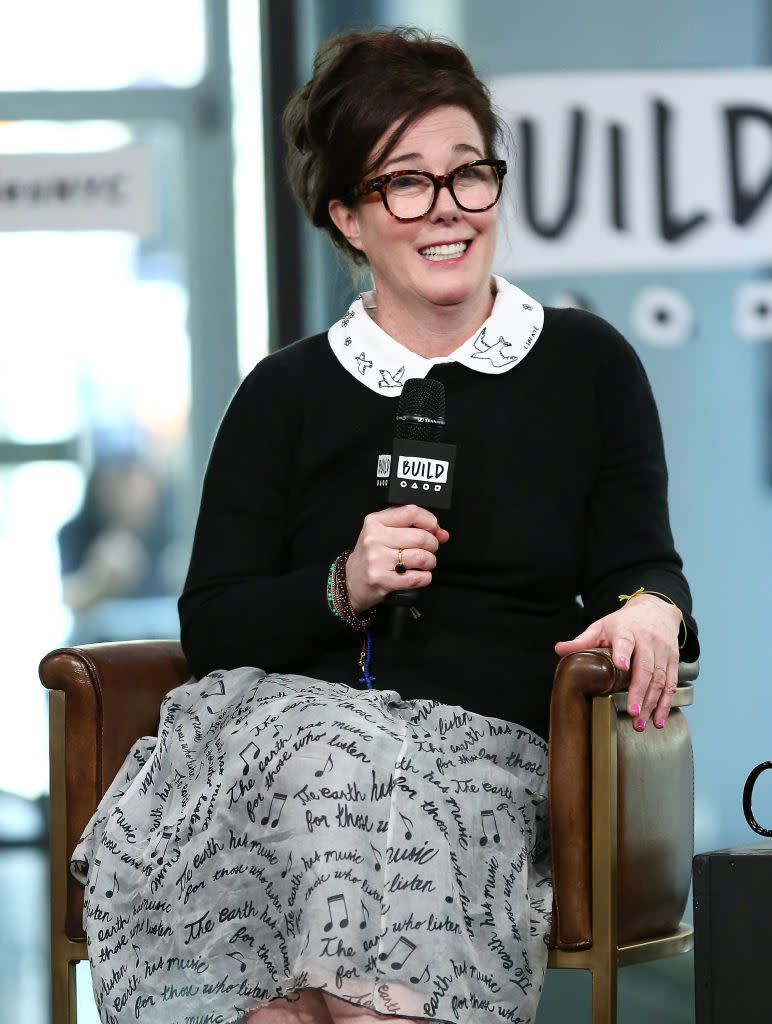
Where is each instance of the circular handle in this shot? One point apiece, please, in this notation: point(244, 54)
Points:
point(750, 782)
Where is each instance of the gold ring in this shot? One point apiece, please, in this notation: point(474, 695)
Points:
point(400, 567)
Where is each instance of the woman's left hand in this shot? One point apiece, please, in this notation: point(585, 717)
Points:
point(644, 631)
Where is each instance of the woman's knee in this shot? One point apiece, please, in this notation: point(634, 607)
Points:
point(304, 1007)
point(343, 1012)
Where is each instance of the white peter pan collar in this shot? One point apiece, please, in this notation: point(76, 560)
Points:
point(382, 364)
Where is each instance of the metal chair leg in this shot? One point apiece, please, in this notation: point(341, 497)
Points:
point(65, 952)
point(604, 994)
point(64, 1005)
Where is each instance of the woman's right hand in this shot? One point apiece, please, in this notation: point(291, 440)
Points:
point(370, 574)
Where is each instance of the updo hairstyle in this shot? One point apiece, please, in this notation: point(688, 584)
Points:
point(362, 83)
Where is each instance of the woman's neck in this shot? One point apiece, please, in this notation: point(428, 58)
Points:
point(433, 330)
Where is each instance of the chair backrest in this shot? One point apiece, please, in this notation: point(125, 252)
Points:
point(104, 697)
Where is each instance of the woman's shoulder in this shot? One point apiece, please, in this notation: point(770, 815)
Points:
point(580, 326)
point(299, 361)
point(280, 383)
point(590, 339)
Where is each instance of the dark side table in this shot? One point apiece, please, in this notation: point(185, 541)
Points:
point(733, 935)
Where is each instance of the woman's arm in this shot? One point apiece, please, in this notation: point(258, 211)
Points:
point(247, 600)
point(629, 544)
point(241, 604)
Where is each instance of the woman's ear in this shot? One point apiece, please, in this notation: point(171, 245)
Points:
point(346, 221)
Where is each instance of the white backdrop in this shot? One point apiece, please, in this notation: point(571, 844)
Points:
point(675, 158)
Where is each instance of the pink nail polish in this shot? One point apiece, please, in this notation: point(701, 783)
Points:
point(660, 723)
point(640, 725)
point(635, 709)
point(624, 663)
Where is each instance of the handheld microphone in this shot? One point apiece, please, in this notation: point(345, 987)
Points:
point(421, 467)
point(421, 470)
point(421, 410)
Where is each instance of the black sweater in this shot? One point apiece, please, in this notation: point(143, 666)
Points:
point(560, 493)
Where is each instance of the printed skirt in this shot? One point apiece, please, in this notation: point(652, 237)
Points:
point(284, 833)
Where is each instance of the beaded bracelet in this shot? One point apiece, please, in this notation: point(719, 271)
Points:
point(338, 600)
point(656, 593)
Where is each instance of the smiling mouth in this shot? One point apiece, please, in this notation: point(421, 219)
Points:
point(437, 253)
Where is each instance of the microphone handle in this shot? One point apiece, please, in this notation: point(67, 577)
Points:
point(402, 604)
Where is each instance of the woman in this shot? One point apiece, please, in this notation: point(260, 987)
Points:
point(365, 836)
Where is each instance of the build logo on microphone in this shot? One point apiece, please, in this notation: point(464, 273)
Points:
point(384, 468)
point(419, 472)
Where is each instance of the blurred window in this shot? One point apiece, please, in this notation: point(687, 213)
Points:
point(94, 406)
point(102, 44)
point(106, 330)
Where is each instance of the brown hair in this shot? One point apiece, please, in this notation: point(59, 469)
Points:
point(362, 83)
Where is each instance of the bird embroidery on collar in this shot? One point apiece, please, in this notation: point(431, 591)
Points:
point(392, 380)
point(498, 345)
point(492, 352)
point(364, 363)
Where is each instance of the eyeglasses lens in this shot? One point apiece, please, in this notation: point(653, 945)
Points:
point(411, 195)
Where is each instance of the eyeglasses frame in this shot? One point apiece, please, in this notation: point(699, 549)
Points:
point(439, 181)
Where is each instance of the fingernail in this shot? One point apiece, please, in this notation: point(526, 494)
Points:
point(660, 723)
point(635, 709)
point(624, 663)
point(640, 724)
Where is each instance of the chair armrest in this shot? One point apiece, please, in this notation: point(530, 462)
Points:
point(655, 803)
point(688, 671)
point(577, 677)
point(105, 697)
point(114, 691)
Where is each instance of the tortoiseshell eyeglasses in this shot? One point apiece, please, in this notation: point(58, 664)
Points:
point(410, 195)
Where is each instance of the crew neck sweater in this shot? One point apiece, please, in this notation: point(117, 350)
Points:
point(559, 507)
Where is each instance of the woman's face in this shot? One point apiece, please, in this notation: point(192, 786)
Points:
point(405, 270)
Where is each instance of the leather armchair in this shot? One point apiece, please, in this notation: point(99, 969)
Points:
point(621, 804)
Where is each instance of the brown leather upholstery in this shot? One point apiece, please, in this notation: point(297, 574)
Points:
point(577, 678)
point(655, 827)
point(113, 696)
point(655, 800)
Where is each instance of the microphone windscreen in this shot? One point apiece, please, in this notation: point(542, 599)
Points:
point(421, 410)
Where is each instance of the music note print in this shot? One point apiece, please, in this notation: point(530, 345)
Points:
point(239, 958)
point(254, 689)
point(377, 858)
point(408, 827)
point(288, 866)
point(401, 941)
point(282, 797)
point(158, 854)
point(425, 971)
point(109, 893)
point(343, 923)
point(97, 865)
point(137, 951)
point(484, 837)
point(219, 691)
point(365, 915)
point(253, 757)
point(322, 770)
